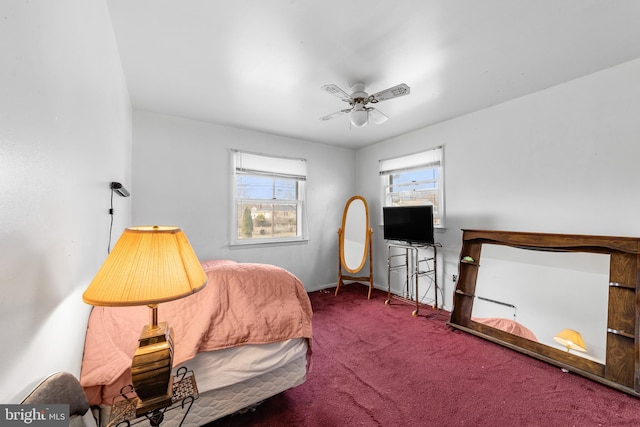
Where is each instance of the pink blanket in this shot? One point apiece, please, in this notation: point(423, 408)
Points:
point(241, 304)
point(507, 325)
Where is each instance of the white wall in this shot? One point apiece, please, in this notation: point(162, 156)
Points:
point(561, 160)
point(182, 175)
point(65, 133)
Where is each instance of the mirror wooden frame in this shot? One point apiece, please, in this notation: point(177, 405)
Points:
point(366, 249)
point(621, 369)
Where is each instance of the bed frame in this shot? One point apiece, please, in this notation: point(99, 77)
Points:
point(217, 396)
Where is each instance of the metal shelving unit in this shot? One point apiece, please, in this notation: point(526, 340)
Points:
point(405, 256)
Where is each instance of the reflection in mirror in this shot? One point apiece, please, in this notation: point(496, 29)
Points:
point(355, 236)
point(537, 294)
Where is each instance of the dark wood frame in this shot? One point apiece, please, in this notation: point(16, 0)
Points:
point(621, 369)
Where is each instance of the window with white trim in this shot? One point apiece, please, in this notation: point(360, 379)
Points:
point(268, 199)
point(416, 179)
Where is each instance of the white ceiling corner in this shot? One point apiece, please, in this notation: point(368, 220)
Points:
point(259, 64)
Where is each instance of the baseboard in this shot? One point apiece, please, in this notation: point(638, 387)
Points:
point(333, 285)
point(376, 286)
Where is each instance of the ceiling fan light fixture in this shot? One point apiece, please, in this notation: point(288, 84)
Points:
point(359, 116)
point(359, 113)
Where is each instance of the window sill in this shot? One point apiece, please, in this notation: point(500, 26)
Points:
point(270, 243)
point(439, 229)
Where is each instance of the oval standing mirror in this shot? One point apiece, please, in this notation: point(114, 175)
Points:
point(354, 242)
point(355, 224)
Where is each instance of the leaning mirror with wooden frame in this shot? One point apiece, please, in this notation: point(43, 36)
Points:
point(354, 243)
point(594, 282)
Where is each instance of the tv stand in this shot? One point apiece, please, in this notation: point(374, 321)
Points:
point(405, 255)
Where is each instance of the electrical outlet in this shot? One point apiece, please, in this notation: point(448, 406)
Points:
point(454, 277)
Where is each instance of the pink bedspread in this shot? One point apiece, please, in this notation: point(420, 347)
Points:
point(241, 304)
point(507, 325)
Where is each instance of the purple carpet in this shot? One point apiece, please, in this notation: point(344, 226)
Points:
point(377, 365)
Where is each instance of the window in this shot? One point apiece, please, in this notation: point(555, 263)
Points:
point(416, 179)
point(268, 203)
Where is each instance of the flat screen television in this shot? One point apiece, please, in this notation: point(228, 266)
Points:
point(411, 224)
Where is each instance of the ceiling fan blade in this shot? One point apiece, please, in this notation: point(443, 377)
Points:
point(393, 92)
point(336, 91)
point(336, 114)
point(376, 116)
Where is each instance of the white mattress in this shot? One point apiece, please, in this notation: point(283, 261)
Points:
point(232, 379)
point(220, 368)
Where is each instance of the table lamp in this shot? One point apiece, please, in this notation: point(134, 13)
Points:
point(147, 266)
point(571, 339)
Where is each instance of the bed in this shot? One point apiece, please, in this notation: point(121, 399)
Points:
point(246, 336)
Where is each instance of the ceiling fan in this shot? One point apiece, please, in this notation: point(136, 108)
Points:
point(359, 113)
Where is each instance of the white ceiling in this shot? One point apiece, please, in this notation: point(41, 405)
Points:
point(259, 64)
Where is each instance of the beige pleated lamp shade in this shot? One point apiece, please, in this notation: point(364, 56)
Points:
point(571, 339)
point(148, 265)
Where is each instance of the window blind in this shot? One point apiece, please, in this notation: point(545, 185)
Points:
point(260, 164)
point(431, 157)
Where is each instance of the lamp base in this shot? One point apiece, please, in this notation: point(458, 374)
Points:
point(148, 405)
point(151, 368)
